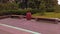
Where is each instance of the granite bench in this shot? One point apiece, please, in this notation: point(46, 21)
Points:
point(53, 20)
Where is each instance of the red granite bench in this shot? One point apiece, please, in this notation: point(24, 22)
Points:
point(12, 16)
point(1, 17)
point(53, 20)
point(16, 16)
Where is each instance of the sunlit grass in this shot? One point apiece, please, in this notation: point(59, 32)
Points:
point(47, 15)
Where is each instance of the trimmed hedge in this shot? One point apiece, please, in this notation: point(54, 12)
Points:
point(10, 12)
point(17, 12)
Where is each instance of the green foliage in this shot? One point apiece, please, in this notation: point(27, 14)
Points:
point(10, 12)
point(33, 11)
point(37, 6)
point(48, 15)
point(8, 6)
point(18, 12)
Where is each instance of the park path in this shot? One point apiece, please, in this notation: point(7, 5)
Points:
point(42, 27)
point(9, 30)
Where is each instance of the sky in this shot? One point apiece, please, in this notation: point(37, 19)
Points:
point(59, 2)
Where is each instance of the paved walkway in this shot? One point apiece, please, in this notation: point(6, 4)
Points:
point(4, 32)
point(42, 27)
point(9, 30)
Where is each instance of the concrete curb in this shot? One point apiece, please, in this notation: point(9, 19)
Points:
point(55, 20)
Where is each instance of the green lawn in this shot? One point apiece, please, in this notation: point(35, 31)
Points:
point(48, 15)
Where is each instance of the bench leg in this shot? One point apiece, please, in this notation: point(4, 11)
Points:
point(37, 19)
point(56, 22)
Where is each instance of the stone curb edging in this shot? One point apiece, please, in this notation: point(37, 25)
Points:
point(55, 20)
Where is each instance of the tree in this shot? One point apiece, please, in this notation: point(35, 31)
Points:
point(42, 7)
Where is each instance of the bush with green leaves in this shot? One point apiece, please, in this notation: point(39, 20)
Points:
point(10, 12)
point(18, 12)
point(8, 6)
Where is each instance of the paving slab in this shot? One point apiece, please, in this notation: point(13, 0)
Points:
point(7, 30)
point(41, 27)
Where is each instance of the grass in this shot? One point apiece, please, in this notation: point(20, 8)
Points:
point(48, 15)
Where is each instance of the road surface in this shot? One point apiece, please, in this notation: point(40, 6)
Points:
point(41, 26)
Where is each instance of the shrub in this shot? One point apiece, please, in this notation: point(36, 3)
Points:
point(8, 6)
point(18, 12)
point(10, 12)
